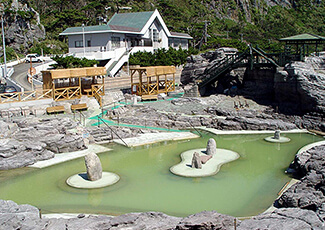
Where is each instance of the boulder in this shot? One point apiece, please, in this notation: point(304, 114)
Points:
point(206, 220)
point(211, 147)
point(284, 218)
point(94, 167)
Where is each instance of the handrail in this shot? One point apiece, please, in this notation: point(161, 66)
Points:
point(223, 66)
point(195, 128)
point(99, 118)
point(80, 115)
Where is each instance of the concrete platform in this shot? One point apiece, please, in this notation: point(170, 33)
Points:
point(280, 140)
point(80, 180)
point(210, 168)
point(63, 157)
point(150, 138)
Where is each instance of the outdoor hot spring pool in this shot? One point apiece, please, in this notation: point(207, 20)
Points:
point(244, 187)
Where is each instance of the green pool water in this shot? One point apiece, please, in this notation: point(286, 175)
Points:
point(244, 187)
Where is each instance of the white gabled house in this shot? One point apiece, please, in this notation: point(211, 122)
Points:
point(125, 33)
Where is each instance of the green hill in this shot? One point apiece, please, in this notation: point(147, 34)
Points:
point(259, 22)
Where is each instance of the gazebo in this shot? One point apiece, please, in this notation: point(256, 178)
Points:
point(72, 83)
point(302, 45)
point(150, 81)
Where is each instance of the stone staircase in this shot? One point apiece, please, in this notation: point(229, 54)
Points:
point(101, 134)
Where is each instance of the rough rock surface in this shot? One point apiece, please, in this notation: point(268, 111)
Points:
point(211, 147)
point(93, 166)
point(296, 89)
point(22, 25)
point(13, 216)
point(309, 193)
point(300, 88)
point(284, 218)
point(31, 139)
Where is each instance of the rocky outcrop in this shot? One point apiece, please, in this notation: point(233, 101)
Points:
point(30, 140)
point(284, 218)
point(300, 88)
point(22, 26)
point(13, 216)
point(296, 89)
point(309, 193)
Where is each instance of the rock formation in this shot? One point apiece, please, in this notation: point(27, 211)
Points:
point(13, 216)
point(309, 193)
point(196, 161)
point(300, 88)
point(32, 139)
point(296, 89)
point(93, 166)
point(211, 147)
point(22, 25)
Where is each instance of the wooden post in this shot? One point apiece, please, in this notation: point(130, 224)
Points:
point(140, 83)
point(80, 86)
point(173, 81)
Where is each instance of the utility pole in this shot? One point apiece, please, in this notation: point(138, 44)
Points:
point(227, 31)
point(205, 31)
point(83, 38)
point(241, 37)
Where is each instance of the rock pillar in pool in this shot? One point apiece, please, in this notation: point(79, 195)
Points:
point(196, 161)
point(94, 167)
point(211, 147)
point(277, 135)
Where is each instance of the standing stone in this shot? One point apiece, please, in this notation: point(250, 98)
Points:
point(94, 167)
point(211, 147)
point(196, 161)
point(276, 135)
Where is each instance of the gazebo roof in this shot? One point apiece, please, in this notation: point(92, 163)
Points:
point(301, 38)
point(156, 70)
point(76, 72)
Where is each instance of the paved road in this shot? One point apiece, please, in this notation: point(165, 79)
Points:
point(20, 74)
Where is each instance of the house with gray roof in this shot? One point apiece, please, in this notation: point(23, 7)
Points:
point(125, 33)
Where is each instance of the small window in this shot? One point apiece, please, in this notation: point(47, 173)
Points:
point(155, 35)
point(89, 43)
point(78, 44)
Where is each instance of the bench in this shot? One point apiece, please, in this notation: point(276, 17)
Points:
point(149, 97)
point(55, 109)
point(79, 106)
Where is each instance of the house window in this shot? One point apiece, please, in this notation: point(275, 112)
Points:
point(177, 43)
point(116, 42)
point(184, 43)
point(170, 42)
point(155, 35)
point(89, 43)
point(78, 44)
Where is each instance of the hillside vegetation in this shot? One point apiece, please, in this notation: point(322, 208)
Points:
point(229, 22)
